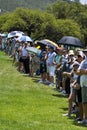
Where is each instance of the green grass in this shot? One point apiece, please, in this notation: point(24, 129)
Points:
point(27, 105)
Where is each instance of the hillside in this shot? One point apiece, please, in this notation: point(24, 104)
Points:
point(10, 5)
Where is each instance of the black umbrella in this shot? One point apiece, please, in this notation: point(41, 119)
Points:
point(70, 41)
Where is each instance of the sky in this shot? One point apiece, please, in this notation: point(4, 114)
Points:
point(83, 1)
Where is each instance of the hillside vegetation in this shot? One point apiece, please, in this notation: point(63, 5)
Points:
point(10, 5)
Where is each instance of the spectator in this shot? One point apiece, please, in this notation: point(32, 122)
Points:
point(80, 57)
point(25, 59)
point(73, 81)
point(43, 68)
point(51, 65)
point(83, 82)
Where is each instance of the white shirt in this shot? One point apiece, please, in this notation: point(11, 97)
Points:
point(51, 57)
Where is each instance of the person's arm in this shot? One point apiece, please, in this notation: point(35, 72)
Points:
point(83, 71)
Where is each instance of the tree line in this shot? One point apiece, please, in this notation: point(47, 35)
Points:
point(58, 20)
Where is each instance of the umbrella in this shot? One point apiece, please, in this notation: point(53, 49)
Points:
point(25, 39)
point(15, 33)
point(47, 43)
point(3, 34)
point(70, 41)
point(33, 50)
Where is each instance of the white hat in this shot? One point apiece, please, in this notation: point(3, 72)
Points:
point(75, 63)
point(71, 52)
point(80, 53)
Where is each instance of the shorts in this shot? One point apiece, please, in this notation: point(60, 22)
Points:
point(59, 74)
point(72, 90)
point(84, 94)
point(43, 68)
point(52, 70)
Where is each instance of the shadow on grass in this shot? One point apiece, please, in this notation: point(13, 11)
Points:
point(60, 95)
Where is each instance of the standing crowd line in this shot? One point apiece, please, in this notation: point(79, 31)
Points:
point(66, 70)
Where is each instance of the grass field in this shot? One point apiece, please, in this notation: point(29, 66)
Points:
point(27, 105)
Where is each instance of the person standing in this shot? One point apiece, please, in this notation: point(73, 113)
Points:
point(82, 71)
point(51, 65)
point(25, 59)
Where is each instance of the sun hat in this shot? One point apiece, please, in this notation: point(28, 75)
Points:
point(80, 53)
point(71, 52)
point(75, 63)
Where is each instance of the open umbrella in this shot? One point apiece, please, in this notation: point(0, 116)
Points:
point(70, 41)
point(25, 39)
point(15, 33)
point(47, 42)
point(33, 50)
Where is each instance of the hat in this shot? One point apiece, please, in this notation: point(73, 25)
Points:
point(80, 53)
point(72, 59)
point(71, 52)
point(51, 47)
point(75, 63)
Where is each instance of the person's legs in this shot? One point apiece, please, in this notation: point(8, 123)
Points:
point(80, 107)
point(70, 100)
point(26, 66)
point(79, 101)
point(51, 73)
point(84, 101)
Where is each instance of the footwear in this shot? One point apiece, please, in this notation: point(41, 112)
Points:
point(75, 111)
point(47, 82)
point(51, 84)
point(41, 81)
point(68, 115)
point(83, 122)
point(63, 92)
point(78, 119)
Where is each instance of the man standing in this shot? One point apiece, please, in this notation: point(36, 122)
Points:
point(51, 65)
point(82, 71)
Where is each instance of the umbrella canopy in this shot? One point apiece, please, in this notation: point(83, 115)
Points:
point(70, 41)
point(25, 39)
point(48, 43)
point(15, 33)
point(33, 50)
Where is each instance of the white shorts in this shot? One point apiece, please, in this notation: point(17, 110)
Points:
point(51, 70)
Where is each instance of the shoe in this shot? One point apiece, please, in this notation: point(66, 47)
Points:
point(78, 119)
point(68, 115)
point(63, 92)
point(75, 111)
point(83, 122)
point(51, 84)
point(47, 82)
point(41, 81)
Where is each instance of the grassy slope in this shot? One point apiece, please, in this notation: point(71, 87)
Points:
point(28, 105)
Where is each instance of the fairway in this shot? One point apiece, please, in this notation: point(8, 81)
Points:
point(26, 104)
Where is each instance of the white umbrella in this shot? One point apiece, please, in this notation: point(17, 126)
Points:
point(25, 39)
point(15, 33)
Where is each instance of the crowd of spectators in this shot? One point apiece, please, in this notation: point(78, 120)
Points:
point(66, 70)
